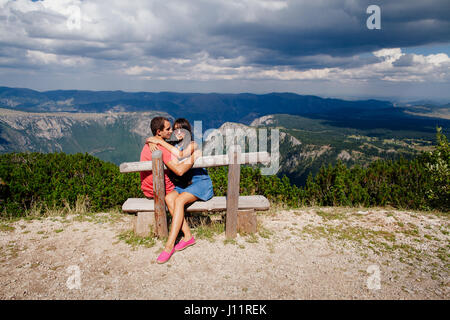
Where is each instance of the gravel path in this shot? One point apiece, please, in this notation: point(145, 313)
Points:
point(308, 253)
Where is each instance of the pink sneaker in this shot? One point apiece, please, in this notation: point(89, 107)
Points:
point(164, 256)
point(184, 244)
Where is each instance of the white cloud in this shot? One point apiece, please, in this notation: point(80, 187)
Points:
point(389, 55)
point(43, 58)
point(436, 59)
point(419, 68)
point(249, 10)
point(138, 70)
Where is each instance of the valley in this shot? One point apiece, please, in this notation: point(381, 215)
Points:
point(314, 131)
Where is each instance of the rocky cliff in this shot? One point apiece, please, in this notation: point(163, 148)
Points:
point(106, 135)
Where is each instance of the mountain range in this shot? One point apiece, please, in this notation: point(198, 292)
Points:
point(113, 125)
point(214, 109)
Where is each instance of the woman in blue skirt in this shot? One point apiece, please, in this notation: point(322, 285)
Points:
point(194, 185)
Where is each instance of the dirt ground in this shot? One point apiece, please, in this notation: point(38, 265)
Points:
point(307, 253)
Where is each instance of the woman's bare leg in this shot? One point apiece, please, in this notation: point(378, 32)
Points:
point(177, 219)
point(170, 202)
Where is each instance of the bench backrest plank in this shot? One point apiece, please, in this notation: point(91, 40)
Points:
point(203, 162)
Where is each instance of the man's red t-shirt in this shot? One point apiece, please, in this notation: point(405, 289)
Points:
point(147, 176)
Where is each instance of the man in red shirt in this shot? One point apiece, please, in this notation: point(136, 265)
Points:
point(161, 127)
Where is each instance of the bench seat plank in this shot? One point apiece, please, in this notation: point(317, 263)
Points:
point(259, 203)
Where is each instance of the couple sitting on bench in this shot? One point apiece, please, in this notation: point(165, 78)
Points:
point(183, 183)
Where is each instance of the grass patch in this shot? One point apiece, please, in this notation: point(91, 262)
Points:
point(230, 241)
point(99, 218)
point(81, 209)
point(375, 240)
point(264, 232)
point(331, 215)
point(251, 238)
point(209, 230)
point(134, 240)
point(271, 247)
point(6, 227)
point(442, 254)
point(411, 232)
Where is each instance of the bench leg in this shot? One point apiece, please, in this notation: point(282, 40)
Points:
point(234, 173)
point(246, 221)
point(144, 224)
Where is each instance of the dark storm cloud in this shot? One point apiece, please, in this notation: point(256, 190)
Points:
point(227, 40)
point(337, 28)
point(267, 33)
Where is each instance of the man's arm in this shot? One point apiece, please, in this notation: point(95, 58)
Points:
point(180, 168)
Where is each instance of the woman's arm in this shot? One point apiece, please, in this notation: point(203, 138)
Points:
point(172, 149)
point(152, 146)
point(189, 149)
point(180, 168)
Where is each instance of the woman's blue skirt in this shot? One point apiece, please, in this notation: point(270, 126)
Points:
point(201, 185)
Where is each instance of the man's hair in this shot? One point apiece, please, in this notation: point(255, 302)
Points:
point(157, 124)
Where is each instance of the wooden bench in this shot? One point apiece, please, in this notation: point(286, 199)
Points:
point(240, 210)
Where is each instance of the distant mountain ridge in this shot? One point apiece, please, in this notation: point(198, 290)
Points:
point(213, 108)
point(216, 108)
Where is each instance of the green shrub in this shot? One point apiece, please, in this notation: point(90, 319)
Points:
point(437, 166)
point(34, 180)
point(54, 179)
point(422, 183)
point(252, 182)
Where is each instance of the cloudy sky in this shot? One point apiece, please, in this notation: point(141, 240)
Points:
point(321, 47)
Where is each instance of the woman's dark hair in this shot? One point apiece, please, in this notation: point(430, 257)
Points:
point(185, 180)
point(183, 123)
